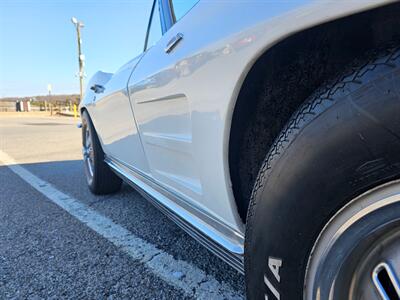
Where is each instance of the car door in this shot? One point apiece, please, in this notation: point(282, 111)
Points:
point(161, 105)
point(114, 121)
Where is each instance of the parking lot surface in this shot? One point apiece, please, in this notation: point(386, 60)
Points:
point(57, 240)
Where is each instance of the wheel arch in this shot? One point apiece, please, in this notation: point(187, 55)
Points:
point(292, 69)
point(83, 109)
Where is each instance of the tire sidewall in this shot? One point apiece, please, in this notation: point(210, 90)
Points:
point(333, 150)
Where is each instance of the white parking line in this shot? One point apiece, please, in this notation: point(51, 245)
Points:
point(180, 274)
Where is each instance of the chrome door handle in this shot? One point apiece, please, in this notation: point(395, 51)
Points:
point(173, 42)
point(97, 88)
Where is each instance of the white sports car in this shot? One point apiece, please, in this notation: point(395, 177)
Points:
point(270, 132)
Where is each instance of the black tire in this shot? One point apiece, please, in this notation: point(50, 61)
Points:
point(100, 179)
point(342, 142)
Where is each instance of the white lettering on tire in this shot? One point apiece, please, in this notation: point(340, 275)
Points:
point(274, 265)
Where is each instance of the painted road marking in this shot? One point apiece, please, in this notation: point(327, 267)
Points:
point(180, 274)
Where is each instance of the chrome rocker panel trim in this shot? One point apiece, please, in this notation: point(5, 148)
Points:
point(221, 240)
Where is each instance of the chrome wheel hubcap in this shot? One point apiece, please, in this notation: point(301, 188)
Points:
point(357, 255)
point(378, 271)
point(88, 155)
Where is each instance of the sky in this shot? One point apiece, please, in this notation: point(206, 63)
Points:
point(38, 43)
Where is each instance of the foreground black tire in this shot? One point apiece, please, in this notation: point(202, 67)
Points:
point(343, 142)
point(100, 179)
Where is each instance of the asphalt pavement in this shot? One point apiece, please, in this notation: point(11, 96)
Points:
point(57, 240)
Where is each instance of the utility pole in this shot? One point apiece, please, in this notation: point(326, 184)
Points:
point(81, 58)
point(49, 87)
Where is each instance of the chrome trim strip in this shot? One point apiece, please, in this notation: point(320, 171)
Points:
point(223, 241)
point(182, 202)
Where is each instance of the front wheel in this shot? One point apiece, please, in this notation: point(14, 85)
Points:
point(99, 177)
point(324, 216)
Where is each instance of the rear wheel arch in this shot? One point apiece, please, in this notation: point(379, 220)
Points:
point(94, 124)
point(285, 75)
point(82, 110)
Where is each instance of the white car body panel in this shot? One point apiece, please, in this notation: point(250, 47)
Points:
point(183, 102)
point(113, 118)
